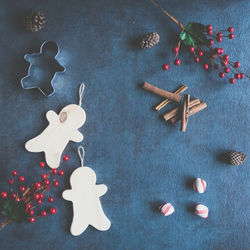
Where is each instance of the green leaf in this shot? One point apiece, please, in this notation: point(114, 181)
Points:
point(188, 26)
point(195, 27)
point(189, 41)
point(4, 213)
point(183, 35)
point(14, 210)
point(194, 35)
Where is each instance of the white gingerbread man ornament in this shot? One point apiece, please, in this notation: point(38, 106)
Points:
point(85, 196)
point(62, 128)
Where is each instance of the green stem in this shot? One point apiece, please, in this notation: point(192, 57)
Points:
point(168, 14)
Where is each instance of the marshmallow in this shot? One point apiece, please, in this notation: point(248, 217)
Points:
point(166, 209)
point(199, 185)
point(201, 211)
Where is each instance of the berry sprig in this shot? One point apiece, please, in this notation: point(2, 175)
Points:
point(200, 40)
point(23, 203)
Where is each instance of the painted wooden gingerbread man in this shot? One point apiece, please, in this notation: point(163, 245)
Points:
point(85, 196)
point(62, 128)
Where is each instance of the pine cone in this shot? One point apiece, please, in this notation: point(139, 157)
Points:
point(236, 158)
point(35, 21)
point(149, 40)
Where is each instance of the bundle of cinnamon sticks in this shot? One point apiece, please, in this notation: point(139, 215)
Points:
point(183, 111)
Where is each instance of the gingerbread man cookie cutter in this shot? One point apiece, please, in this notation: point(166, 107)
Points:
point(43, 69)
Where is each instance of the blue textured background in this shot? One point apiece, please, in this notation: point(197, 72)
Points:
point(141, 159)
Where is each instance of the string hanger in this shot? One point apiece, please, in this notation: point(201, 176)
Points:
point(81, 90)
point(81, 153)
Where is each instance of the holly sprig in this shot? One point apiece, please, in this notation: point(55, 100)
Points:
point(23, 203)
point(200, 40)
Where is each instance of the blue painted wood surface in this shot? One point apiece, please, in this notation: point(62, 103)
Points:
point(141, 159)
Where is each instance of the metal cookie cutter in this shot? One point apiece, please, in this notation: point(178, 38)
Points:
point(43, 69)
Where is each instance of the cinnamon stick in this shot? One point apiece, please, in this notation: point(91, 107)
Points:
point(195, 109)
point(167, 101)
point(185, 110)
point(151, 88)
point(174, 112)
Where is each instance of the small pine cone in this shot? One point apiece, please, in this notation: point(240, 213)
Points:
point(35, 21)
point(149, 40)
point(236, 158)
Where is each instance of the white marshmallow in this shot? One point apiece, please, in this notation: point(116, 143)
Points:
point(199, 185)
point(166, 209)
point(201, 211)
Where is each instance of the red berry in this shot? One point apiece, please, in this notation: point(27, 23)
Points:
point(38, 184)
point(219, 34)
point(65, 158)
point(4, 194)
point(54, 171)
point(22, 189)
point(14, 172)
point(176, 49)
point(225, 57)
point(218, 51)
point(36, 196)
point(13, 196)
point(209, 27)
point(221, 51)
point(31, 212)
point(28, 206)
point(226, 70)
point(191, 49)
point(224, 63)
point(51, 199)
point(242, 75)
point(231, 36)
point(61, 172)
point(219, 39)
point(39, 202)
point(46, 182)
point(213, 56)
point(237, 76)
point(210, 41)
point(237, 65)
point(56, 183)
point(21, 178)
point(52, 210)
point(209, 32)
point(32, 220)
point(165, 66)
point(200, 53)
point(177, 62)
point(44, 213)
point(44, 176)
point(221, 75)
point(41, 195)
point(196, 59)
point(230, 29)
point(11, 181)
point(206, 66)
point(232, 80)
point(42, 164)
point(18, 199)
